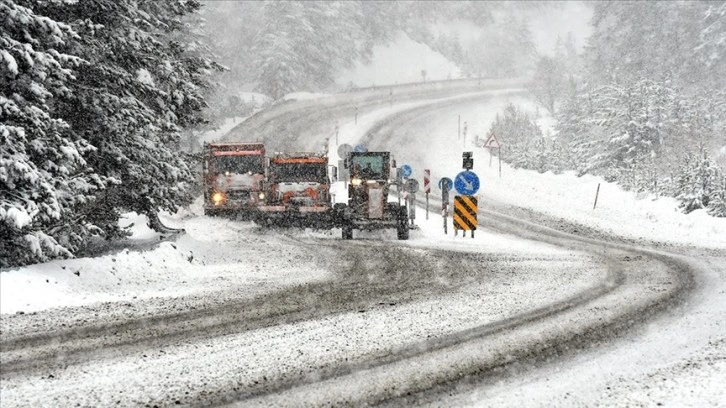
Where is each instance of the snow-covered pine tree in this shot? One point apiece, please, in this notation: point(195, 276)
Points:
point(717, 203)
point(526, 146)
point(43, 176)
point(711, 49)
point(280, 68)
point(302, 44)
point(137, 87)
point(548, 83)
point(698, 181)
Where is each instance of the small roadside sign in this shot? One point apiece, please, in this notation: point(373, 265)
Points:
point(360, 149)
point(406, 171)
point(492, 142)
point(466, 183)
point(467, 160)
point(344, 149)
point(411, 186)
point(427, 181)
point(465, 212)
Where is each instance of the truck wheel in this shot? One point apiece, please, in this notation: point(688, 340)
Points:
point(402, 227)
point(347, 230)
point(402, 231)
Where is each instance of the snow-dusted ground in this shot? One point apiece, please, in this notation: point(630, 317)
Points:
point(430, 141)
point(213, 254)
point(677, 360)
point(663, 362)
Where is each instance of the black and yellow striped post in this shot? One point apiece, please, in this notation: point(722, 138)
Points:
point(465, 209)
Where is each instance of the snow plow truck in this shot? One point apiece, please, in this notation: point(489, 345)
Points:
point(368, 189)
point(234, 179)
point(297, 192)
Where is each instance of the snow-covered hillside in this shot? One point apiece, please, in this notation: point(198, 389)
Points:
point(400, 62)
point(566, 196)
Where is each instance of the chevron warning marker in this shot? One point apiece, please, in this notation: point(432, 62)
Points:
point(465, 209)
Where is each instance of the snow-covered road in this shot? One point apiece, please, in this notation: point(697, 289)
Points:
point(229, 313)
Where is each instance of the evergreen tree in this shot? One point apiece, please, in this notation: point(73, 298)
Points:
point(699, 180)
point(548, 83)
point(303, 43)
point(43, 175)
point(526, 146)
point(139, 85)
point(717, 203)
point(711, 49)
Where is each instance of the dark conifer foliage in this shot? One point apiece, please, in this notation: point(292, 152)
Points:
point(94, 94)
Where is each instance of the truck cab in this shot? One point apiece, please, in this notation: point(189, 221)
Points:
point(368, 190)
point(298, 191)
point(234, 175)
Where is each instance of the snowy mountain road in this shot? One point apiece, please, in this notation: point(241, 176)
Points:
point(373, 281)
point(376, 322)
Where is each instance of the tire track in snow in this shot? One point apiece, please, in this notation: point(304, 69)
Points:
point(622, 270)
point(392, 381)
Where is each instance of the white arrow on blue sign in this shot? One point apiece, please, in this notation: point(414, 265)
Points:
point(360, 149)
point(466, 183)
point(406, 171)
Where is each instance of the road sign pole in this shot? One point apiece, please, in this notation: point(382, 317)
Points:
point(412, 207)
point(427, 206)
point(445, 204)
point(500, 162)
point(444, 211)
point(597, 193)
point(427, 189)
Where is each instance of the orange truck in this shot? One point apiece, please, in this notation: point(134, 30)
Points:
point(298, 191)
point(234, 179)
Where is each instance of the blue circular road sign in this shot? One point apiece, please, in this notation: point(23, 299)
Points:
point(360, 149)
point(449, 184)
point(466, 183)
point(406, 170)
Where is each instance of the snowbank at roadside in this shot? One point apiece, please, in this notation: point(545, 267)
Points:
point(431, 142)
point(214, 254)
point(303, 96)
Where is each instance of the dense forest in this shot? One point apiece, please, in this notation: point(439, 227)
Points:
point(97, 95)
point(644, 105)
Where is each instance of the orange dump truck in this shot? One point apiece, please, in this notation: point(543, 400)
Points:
point(234, 179)
point(298, 192)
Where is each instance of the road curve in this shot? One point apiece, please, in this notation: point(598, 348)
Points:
point(638, 284)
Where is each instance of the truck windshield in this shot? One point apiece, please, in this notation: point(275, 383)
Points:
point(369, 167)
point(301, 172)
point(239, 164)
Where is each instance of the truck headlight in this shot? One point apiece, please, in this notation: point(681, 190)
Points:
point(261, 196)
point(217, 198)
